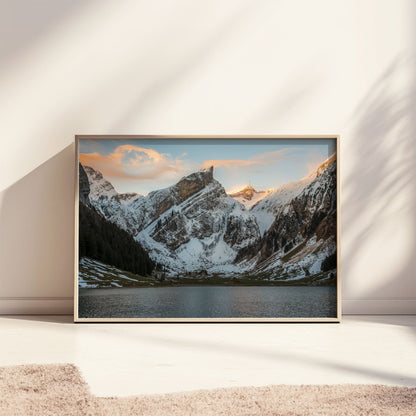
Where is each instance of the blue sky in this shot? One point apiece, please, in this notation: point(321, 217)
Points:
point(144, 165)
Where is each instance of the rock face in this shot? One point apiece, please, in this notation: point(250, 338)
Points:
point(108, 202)
point(100, 188)
point(274, 202)
point(84, 186)
point(126, 198)
point(156, 203)
point(193, 183)
point(103, 190)
point(195, 227)
point(308, 214)
point(303, 233)
point(247, 193)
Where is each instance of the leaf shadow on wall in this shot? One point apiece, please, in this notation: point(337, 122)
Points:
point(379, 197)
point(37, 231)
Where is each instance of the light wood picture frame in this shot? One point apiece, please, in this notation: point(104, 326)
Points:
point(207, 228)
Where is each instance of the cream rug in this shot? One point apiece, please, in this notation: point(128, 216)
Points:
point(60, 390)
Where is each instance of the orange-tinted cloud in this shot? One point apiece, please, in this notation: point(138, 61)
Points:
point(272, 157)
point(229, 163)
point(133, 162)
point(260, 159)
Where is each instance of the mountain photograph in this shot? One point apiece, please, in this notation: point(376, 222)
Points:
point(207, 228)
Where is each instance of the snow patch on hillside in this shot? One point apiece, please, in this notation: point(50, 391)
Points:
point(93, 274)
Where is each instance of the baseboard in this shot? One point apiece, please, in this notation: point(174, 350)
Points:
point(36, 306)
point(64, 306)
point(379, 307)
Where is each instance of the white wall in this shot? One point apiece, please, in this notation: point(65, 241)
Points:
point(208, 67)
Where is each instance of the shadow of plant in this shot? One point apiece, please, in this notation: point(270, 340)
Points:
point(379, 198)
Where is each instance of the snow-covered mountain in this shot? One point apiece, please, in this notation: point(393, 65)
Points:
point(269, 207)
point(194, 227)
point(303, 234)
point(248, 196)
point(101, 189)
point(112, 205)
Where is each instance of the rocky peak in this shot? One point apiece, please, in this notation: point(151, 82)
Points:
point(247, 193)
point(100, 188)
point(248, 196)
point(208, 173)
point(194, 182)
point(92, 173)
point(325, 165)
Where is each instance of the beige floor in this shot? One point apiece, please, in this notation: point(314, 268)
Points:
point(127, 359)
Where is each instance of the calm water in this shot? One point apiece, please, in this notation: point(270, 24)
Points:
point(209, 302)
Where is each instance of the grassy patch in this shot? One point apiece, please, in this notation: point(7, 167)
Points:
point(103, 275)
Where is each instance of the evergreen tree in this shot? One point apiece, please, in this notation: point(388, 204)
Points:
point(102, 240)
point(329, 263)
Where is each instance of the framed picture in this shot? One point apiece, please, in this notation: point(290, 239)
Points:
point(207, 228)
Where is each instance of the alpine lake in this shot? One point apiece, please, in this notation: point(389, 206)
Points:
point(216, 297)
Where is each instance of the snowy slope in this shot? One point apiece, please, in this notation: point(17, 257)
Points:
point(267, 209)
